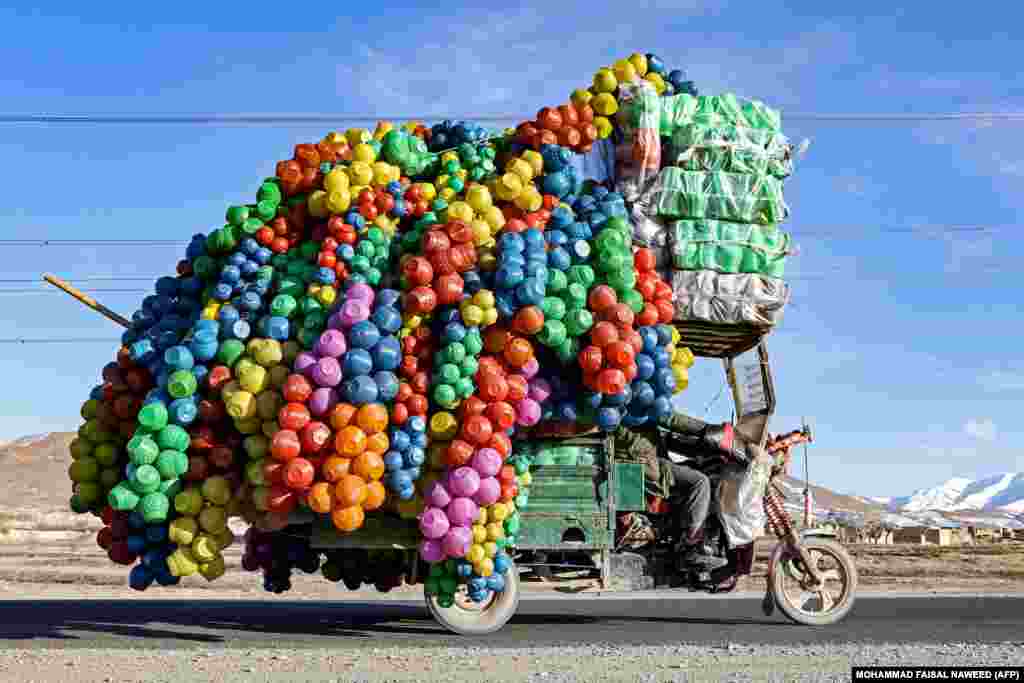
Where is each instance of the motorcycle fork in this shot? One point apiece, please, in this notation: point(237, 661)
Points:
point(789, 539)
point(796, 544)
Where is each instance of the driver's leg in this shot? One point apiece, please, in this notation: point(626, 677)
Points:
point(691, 495)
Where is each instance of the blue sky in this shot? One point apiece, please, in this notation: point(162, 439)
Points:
point(902, 348)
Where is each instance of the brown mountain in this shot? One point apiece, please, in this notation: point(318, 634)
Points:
point(35, 493)
point(34, 470)
point(826, 499)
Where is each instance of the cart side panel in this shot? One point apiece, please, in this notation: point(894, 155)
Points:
point(629, 487)
point(566, 509)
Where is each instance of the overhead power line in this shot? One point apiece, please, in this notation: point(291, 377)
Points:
point(85, 278)
point(782, 329)
point(92, 243)
point(310, 118)
point(851, 231)
point(943, 116)
point(90, 291)
point(60, 340)
point(834, 274)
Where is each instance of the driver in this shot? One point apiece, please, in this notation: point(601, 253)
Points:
point(688, 490)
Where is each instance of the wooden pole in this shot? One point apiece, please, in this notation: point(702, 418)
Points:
point(87, 300)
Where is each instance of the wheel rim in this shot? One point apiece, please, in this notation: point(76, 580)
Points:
point(798, 588)
point(465, 617)
point(463, 602)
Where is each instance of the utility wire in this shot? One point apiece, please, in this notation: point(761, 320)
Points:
point(114, 340)
point(60, 340)
point(304, 118)
point(835, 275)
point(55, 291)
point(84, 278)
point(713, 401)
point(92, 243)
point(848, 231)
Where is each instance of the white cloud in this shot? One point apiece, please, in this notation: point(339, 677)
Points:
point(948, 453)
point(485, 62)
point(857, 184)
point(1014, 167)
point(971, 252)
point(465, 71)
point(992, 147)
point(777, 73)
point(1003, 380)
point(983, 429)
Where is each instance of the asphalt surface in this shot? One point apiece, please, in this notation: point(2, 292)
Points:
point(539, 622)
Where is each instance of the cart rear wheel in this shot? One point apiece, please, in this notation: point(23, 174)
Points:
point(467, 618)
point(821, 605)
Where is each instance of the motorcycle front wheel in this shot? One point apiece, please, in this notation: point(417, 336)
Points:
point(804, 603)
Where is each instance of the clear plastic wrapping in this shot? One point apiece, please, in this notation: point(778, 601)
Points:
point(649, 230)
point(728, 247)
point(737, 197)
point(597, 164)
point(725, 133)
point(733, 149)
point(717, 110)
point(742, 298)
point(638, 152)
point(721, 193)
point(740, 497)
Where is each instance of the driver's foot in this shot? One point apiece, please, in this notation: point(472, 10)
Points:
point(695, 553)
point(699, 556)
point(726, 585)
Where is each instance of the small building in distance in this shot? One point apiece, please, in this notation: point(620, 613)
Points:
point(991, 526)
point(924, 528)
point(877, 534)
point(927, 535)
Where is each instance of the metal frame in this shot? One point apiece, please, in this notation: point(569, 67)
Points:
point(753, 426)
point(606, 553)
point(714, 340)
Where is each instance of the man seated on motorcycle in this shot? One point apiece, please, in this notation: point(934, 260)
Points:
point(688, 490)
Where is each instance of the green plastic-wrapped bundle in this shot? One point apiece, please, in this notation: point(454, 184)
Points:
point(721, 186)
point(728, 247)
point(734, 197)
point(730, 148)
point(717, 110)
point(723, 133)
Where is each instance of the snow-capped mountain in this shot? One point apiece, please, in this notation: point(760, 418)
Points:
point(1003, 492)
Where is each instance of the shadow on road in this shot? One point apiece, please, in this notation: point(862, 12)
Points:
point(214, 622)
point(206, 621)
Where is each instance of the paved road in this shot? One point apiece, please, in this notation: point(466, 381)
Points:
point(284, 623)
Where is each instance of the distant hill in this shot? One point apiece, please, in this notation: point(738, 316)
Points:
point(999, 493)
point(825, 499)
point(34, 470)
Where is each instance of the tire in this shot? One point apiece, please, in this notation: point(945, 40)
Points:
point(785, 569)
point(490, 619)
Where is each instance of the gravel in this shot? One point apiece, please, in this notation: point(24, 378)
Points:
point(594, 663)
